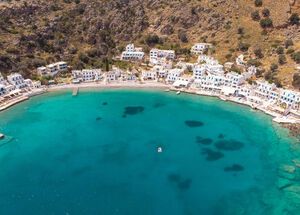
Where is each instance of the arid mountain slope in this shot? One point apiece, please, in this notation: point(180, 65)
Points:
point(87, 32)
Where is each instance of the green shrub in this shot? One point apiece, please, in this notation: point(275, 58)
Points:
point(281, 59)
point(266, 12)
point(294, 19)
point(258, 53)
point(288, 43)
point(258, 3)
point(280, 50)
point(255, 15)
point(266, 23)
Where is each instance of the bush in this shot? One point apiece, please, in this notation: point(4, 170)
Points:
point(280, 50)
point(243, 46)
point(254, 62)
point(294, 19)
point(281, 59)
point(182, 36)
point(296, 57)
point(258, 53)
point(153, 40)
point(274, 67)
point(266, 12)
point(288, 43)
point(255, 15)
point(258, 3)
point(266, 23)
point(241, 31)
point(290, 51)
point(296, 80)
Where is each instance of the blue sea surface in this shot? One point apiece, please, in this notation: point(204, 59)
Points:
point(97, 153)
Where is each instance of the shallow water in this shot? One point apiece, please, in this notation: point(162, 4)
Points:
point(97, 154)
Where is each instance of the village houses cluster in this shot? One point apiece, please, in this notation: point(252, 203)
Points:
point(209, 75)
point(15, 84)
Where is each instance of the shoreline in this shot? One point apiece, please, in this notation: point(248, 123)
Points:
point(292, 124)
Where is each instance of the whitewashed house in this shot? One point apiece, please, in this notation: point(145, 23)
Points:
point(200, 48)
point(157, 56)
point(199, 71)
point(149, 75)
point(111, 76)
point(17, 80)
point(233, 79)
point(87, 75)
point(240, 60)
point(245, 90)
point(266, 90)
point(132, 53)
point(207, 59)
point(160, 71)
point(183, 81)
point(174, 74)
point(128, 76)
point(290, 98)
point(52, 69)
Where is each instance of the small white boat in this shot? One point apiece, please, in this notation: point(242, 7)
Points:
point(178, 92)
point(159, 149)
point(167, 90)
point(1, 136)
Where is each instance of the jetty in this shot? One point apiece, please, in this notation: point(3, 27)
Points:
point(75, 91)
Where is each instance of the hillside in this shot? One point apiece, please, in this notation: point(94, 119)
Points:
point(86, 33)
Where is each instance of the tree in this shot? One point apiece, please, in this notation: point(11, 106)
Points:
point(258, 53)
point(255, 15)
point(280, 50)
point(266, 23)
point(296, 57)
point(288, 43)
point(152, 40)
point(258, 3)
point(296, 80)
point(273, 67)
point(266, 12)
point(241, 31)
point(294, 19)
point(182, 36)
point(243, 46)
point(281, 59)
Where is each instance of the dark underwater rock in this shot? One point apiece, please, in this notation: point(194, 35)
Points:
point(203, 141)
point(194, 123)
point(185, 184)
point(173, 177)
point(234, 168)
point(98, 118)
point(133, 110)
point(104, 103)
point(229, 145)
point(212, 155)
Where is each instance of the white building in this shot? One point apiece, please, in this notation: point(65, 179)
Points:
point(158, 56)
point(183, 81)
point(200, 48)
point(132, 53)
point(17, 80)
point(233, 79)
point(240, 60)
point(128, 76)
point(174, 74)
point(111, 76)
point(266, 90)
point(52, 69)
point(199, 71)
point(290, 98)
point(160, 71)
point(149, 75)
point(87, 75)
point(207, 59)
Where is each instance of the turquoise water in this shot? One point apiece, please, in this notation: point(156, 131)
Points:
point(97, 154)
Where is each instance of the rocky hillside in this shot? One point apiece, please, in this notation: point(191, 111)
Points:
point(87, 33)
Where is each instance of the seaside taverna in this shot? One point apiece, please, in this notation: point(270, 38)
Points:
point(205, 77)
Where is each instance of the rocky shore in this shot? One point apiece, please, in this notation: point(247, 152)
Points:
point(293, 128)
